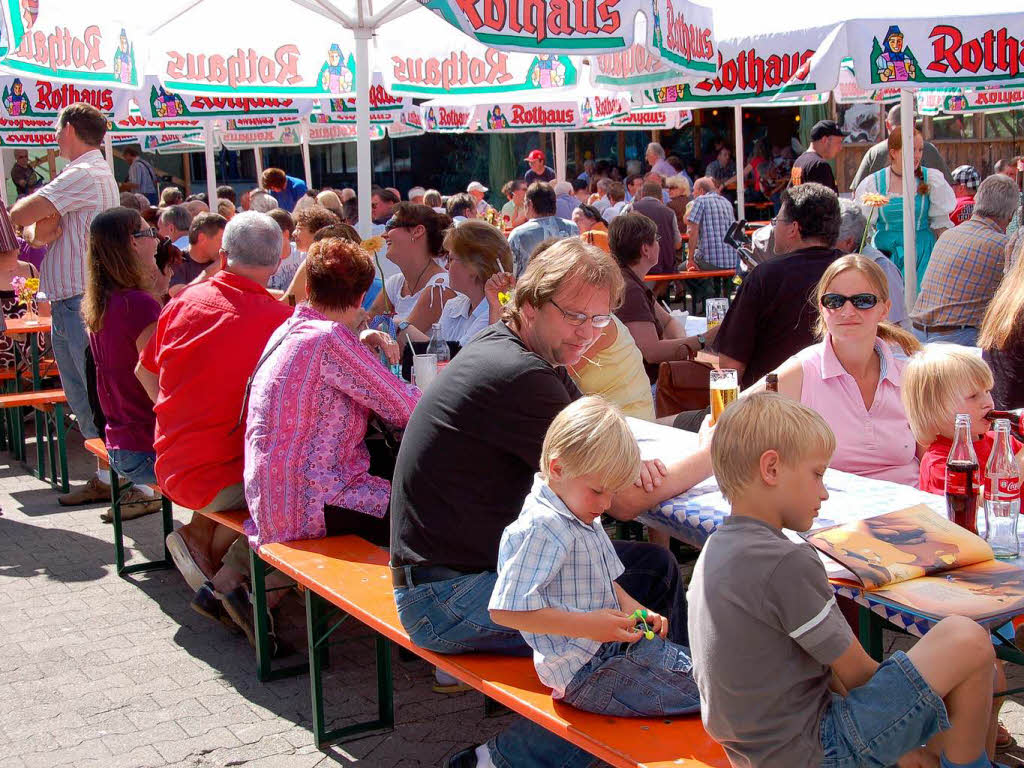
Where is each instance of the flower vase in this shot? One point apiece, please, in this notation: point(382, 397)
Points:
point(31, 316)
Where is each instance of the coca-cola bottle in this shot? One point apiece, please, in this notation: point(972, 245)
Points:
point(1002, 496)
point(962, 477)
point(1012, 416)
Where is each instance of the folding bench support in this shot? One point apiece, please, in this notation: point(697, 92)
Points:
point(261, 622)
point(168, 526)
point(870, 627)
point(318, 632)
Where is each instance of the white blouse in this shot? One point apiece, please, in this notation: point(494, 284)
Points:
point(942, 201)
point(403, 304)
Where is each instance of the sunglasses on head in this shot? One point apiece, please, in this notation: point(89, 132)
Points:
point(859, 300)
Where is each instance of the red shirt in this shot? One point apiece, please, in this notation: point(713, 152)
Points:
point(933, 463)
point(206, 345)
point(963, 210)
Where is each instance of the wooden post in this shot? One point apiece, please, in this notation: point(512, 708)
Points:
point(622, 149)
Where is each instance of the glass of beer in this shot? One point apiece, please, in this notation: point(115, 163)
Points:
point(724, 390)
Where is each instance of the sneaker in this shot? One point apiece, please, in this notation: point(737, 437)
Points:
point(465, 758)
point(238, 606)
point(445, 683)
point(205, 602)
point(184, 562)
point(93, 491)
point(134, 504)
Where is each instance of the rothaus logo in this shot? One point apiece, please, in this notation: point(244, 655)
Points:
point(243, 67)
point(542, 19)
point(755, 74)
point(994, 51)
point(216, 104)
point(62, 50)
point(688, 40)
point(456, 69)
point(541, 116)
point(53, 98)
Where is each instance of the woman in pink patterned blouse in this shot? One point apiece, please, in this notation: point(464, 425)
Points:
point(307, 468)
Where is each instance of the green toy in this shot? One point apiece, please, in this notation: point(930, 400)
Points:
point(640, 617)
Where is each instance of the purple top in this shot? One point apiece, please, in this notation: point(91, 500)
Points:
point(31, 254)
point(308, 408)
point(126, 406)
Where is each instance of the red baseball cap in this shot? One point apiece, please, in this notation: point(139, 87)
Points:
point(535, 155)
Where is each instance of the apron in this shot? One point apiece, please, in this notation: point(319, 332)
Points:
point(889, 232)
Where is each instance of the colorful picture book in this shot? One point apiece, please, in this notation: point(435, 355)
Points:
point(918, 560)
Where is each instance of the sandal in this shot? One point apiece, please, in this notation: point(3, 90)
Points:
point(1004, 739)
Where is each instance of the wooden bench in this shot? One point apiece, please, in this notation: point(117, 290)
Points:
point(97, 448)
point(352, 575)
point(235, 520)
point(50, 431)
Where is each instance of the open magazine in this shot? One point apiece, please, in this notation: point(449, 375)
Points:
point(916, 559)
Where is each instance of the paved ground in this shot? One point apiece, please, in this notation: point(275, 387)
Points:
point(100, 671)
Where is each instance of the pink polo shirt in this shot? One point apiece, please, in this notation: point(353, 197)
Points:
point(875, 442)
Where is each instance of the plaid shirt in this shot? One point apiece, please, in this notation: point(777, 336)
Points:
point(963, 274)
point(714, 214)
point(549, 558)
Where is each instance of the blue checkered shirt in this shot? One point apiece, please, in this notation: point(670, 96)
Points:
point(529, 235)
point(549, 558)
point(963, 274)
point(714, 214)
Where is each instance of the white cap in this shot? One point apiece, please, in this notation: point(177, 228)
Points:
point(476, 186)
point(417, 192)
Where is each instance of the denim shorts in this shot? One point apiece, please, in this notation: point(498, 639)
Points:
point(895, 712)
point(137, 466)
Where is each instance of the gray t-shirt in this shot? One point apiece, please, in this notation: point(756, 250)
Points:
point(764, 628)
point(877, 158)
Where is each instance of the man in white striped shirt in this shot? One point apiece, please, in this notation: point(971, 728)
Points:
point(60, 214)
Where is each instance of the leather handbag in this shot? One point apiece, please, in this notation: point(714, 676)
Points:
point(683, 385)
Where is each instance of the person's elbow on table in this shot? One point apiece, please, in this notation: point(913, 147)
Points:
point(724, 361)
point(680, 475)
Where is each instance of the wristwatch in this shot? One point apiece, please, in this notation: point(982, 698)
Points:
point(402, 326)
point(703, 340)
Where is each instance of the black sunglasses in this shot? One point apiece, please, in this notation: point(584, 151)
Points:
point(151, 232)
point(859, 300)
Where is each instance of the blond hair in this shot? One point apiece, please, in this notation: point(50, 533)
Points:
point(1002, 322)
point(330, 200)
point(480, 246)
point(765, 422)
point(567, 260)
point(591, 436)
point(887, 332)
point(934, 382)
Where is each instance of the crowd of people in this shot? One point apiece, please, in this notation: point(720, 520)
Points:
point(271, 311)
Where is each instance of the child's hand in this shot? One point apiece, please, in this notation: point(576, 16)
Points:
point(651, 473)
point(608, 626)
point(657, 623)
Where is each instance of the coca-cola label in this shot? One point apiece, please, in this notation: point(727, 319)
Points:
point(1002, 488)
point(956, 481)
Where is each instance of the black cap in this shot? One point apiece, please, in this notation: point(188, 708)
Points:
point(826, 128)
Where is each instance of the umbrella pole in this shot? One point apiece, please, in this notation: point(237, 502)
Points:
point(740, 176)
point(364, 169)
point(258, 154)
point(558, 142)
point(108, 149)
point(211, 166)
point(909, 236)
point(305, 153)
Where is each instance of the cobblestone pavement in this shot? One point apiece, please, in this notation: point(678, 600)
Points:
point(101, 671)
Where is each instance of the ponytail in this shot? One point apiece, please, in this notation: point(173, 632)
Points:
point(892, 334)
point(922, 185)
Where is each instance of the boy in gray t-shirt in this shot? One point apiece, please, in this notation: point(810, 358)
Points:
point(783, 682)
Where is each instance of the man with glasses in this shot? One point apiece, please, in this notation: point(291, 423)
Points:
point(60, 214)
point(771, 318)
point(467, 462)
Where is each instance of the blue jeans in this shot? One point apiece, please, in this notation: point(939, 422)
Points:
point(648, 678)
point(965, 337)
point(451, 617)
point(70, 340)
point(137, 466)
point(879, 722)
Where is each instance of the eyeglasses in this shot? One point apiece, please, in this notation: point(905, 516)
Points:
point(835, 301)
point(579, 318)
point(779, 220)
point(393, 223)
point(151, 232)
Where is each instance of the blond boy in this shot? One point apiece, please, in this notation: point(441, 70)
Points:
point(770, 647)
point(557, 571)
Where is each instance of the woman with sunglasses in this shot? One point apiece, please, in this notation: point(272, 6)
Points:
point(120, 314)
point(415, 236)
point(852, 377)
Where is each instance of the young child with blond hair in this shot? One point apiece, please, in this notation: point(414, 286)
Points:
point(938, 383)
point(557, 570)
point(783, 681)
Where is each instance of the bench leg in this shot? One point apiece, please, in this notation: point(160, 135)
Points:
point(317, 634)
point(115, 503)
point(62, 446)
point(50, 432)
point(870, 629)
point(261, 622)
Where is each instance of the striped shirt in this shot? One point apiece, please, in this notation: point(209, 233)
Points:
point(549, 558)
point(82, 190)
point(963, 273)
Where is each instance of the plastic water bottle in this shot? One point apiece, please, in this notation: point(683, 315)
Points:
point(438, 346)
point(1002, 496)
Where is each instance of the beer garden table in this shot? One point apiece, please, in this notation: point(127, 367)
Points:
point(16, 326)
point(695, 514)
